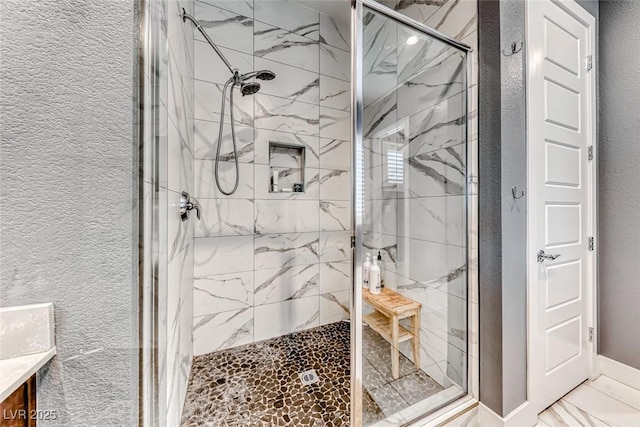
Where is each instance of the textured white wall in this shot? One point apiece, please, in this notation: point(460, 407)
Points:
point(67, 196)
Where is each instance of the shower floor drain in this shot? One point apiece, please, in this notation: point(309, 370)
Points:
point(309, 377)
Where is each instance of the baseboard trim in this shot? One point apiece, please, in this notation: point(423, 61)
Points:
point(523, 416)
point(619, 372)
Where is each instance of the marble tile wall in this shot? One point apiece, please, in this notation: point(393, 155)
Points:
point(179, 176)
point(267, 264)
point(414, 108)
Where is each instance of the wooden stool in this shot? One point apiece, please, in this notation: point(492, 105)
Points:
point(391, 307)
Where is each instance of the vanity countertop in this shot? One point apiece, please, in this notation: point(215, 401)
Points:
point(17, 370)
point(26, 343)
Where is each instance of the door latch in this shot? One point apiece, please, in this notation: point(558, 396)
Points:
point(543, 256)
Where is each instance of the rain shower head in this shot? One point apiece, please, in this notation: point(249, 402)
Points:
point(266, 75)
point(261, 75)
point(249, 88)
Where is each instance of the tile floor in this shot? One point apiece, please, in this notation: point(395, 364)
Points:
point(259, 385)
point(600, 403)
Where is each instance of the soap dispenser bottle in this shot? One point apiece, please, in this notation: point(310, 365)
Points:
point(366, 266)
point(375, 285)
point(383, 269)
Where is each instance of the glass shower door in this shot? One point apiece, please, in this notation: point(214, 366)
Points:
point(410, 216)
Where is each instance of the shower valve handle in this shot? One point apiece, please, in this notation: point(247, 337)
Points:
point(187, 205)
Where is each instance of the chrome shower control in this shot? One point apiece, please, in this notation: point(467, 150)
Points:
point(187, 205)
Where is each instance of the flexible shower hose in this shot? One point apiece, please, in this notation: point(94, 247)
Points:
point(233, 139)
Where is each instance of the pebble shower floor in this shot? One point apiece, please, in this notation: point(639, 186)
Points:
point(259, 384)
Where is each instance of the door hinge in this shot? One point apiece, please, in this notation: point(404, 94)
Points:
point(590, 152)
point(591, 244)
point(589, 62)
point(353, 242)
point(590, 334)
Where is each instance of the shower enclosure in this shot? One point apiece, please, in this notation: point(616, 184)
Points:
point(254, 309)
point(409, 124)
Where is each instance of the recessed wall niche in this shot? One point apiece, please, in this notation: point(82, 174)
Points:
point(286, 168)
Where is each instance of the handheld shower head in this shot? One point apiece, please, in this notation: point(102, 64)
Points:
point(249, 88)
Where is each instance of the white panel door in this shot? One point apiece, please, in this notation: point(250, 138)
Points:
point(560, 105)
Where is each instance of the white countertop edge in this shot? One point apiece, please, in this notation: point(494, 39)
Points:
point(17, 370)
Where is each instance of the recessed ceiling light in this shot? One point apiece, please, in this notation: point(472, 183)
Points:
point(412, 40)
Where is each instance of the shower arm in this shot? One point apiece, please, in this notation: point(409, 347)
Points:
point(186, 16)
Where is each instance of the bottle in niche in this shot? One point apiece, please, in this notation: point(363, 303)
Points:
point(366, 266)
point(374, 278)
point(383, 269)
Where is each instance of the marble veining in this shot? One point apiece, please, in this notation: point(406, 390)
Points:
point(602, 402)
point(222, 292)
point(380, 115)
point(225, 217)
point(335, 93)
point(456, 18)
point(335, 276)
point(439, 126)
point(291, 82)
point(335, 62)
point(205, 186)
point(335, 184)
point(241, 7)
point(222, 330)
point(286, 115)
point(208, 103)
point(210, 68)
point(335, 154)
point(333, 33)
point(286, 283)
point(309, 101)
point(286, 47)
point(419, 10)
point(334, 215)
point(334, 307)
point(206, 142)
point(228, 29)
point(286, 216)
point(276, 250)
point(280, 318)
point(290, 16)
point(335, 123)
point(335, 246)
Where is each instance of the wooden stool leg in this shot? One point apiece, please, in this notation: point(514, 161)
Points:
point(416, 339)
point(395, 351)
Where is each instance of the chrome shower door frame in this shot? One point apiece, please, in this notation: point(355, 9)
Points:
point(438, 415)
